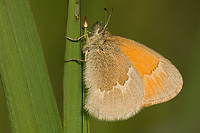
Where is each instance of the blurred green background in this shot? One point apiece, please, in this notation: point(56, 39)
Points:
point(171, 27)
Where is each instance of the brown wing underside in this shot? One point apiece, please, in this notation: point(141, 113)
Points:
point(116, 89)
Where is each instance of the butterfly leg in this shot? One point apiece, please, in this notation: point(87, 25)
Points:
point(72, 39)
point(76, 39)
point(87, 40)
point(74, 60)
point(77, 59)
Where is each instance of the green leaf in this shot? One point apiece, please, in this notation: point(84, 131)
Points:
point(75, 120)
point(72, 121)
point(27, 88)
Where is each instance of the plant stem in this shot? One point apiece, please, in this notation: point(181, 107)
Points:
point(86, 128)
point(72, 121)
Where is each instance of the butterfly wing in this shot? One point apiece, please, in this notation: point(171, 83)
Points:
point(116, 89)
point(162, 80)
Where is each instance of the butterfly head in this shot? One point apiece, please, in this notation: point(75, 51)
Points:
point(98, 30)
point(99, 34)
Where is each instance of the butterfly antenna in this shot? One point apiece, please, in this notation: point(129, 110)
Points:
point(106, 13)
point(108, 19)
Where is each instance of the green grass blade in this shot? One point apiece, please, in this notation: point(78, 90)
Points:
point(86, 128)
point(27, 88)
point(72, 121)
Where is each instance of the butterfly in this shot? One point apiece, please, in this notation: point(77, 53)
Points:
point(123, 76)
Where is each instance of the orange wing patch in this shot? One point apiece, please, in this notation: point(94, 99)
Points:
point(143, 62)
point(162, 81)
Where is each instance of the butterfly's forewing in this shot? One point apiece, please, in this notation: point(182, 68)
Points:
point(116, 88)
point(162, 80)
point(124, 76)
